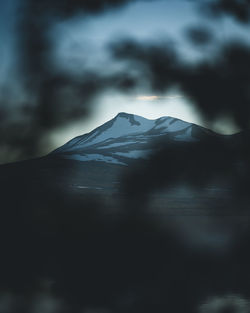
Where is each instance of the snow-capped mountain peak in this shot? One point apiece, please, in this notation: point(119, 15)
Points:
point(125, 137)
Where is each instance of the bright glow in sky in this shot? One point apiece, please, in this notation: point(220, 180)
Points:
point(153, 98)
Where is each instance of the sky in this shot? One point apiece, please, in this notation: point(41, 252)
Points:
point(81, 43)
point(145, 21)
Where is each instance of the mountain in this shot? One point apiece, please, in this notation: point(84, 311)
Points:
point(127, 137)
point(97, 160)
point(100, 162)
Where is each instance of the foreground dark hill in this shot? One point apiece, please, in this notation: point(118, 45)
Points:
point(97, 226)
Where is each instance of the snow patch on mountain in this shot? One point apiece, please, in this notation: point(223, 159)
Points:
point(93, 157)
point(187, 136)
point(171, 125)
point(118, 144)
point(134, 154)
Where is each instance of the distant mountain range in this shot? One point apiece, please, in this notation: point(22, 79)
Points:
point(127, 137)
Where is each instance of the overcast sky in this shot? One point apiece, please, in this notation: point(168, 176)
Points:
point(142, 20)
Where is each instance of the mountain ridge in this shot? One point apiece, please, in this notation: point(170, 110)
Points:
point(128, 137)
